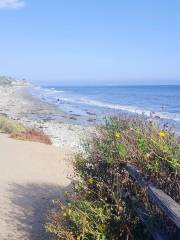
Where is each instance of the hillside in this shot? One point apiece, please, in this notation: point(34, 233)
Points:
point(9, 81)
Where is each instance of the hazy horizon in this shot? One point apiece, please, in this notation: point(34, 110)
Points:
point(97, 84)
point(90, 42)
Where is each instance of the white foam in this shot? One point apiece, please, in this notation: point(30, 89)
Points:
point(132, 109)
point(53, 94)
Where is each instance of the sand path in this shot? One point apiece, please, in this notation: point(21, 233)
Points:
point(31, 174)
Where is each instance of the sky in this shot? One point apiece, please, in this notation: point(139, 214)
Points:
point(91, 42)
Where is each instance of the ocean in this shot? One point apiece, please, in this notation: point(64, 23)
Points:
point(159, 102)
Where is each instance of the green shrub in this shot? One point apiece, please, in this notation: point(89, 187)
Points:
point(104, 197)
point(10, 126)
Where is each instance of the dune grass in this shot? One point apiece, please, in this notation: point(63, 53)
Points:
point(10, 126)
point(102, 204)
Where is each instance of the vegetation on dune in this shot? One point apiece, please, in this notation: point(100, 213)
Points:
point(10, 126)
point(19, 131)
point(104, 197)
point(9, 81)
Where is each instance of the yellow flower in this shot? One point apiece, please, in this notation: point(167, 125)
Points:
point(78, 237)
point(90, 181)
point(117, 135)
point(162, 134)
point(67, 213)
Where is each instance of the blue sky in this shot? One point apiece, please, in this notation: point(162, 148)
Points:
point(91, 41)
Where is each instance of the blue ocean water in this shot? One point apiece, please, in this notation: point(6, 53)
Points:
point(162, 102)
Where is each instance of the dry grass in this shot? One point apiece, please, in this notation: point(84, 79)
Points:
point(33, 135)
point(10, 126)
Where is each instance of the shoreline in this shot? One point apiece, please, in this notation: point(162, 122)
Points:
point(88, 109)
point(65, 131)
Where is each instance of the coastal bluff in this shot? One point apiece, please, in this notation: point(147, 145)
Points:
point(10, 81)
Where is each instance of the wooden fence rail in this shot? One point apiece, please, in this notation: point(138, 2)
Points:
point(170, 208)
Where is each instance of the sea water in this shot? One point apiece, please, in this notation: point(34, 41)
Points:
point(161, 102)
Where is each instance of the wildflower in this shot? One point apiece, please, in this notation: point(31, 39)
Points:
point(67, 213)
point(90, 181)
point(117, 135)
point(162, 134)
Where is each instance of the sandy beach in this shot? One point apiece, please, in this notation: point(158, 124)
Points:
point(33, 174)
point(18, 104)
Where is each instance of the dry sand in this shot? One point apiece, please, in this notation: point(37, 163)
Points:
point(31, 175)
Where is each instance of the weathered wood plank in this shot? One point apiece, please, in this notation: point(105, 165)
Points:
point(165, 202)
point(154, 231)
point(136, 174)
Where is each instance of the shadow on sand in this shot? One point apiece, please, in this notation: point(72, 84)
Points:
point(31, 204)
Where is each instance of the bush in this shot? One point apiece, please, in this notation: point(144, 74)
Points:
point(10, 126)
point(19, 131)
point(104, 197)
